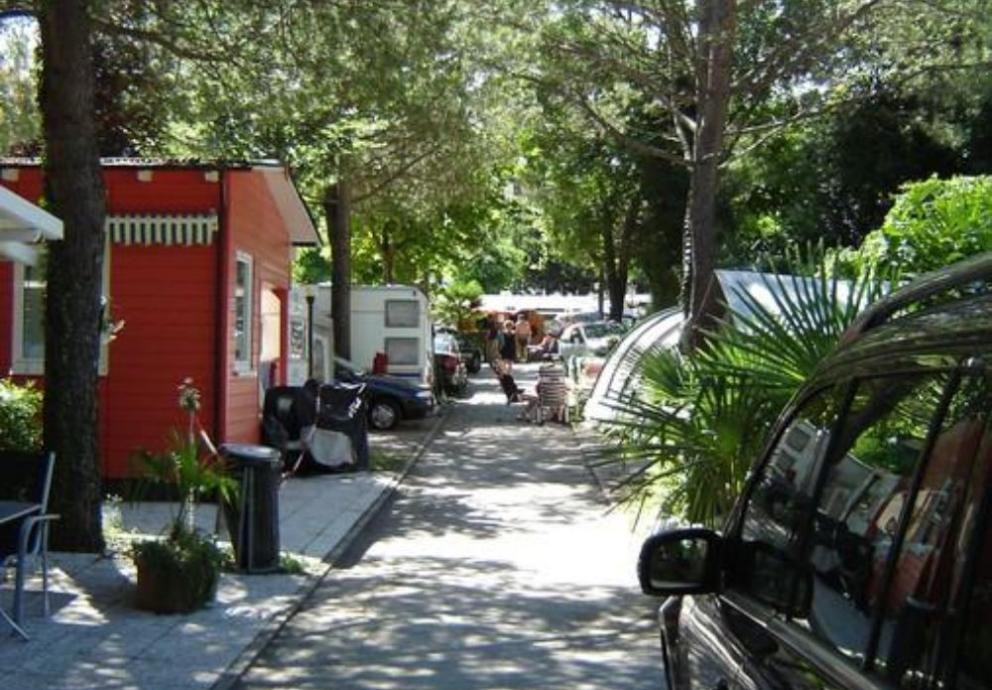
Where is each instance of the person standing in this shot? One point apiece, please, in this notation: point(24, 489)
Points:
point(508, 342)
point(523, 333)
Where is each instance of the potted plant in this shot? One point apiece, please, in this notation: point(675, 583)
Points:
point(179, 573)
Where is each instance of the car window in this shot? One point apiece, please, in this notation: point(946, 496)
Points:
point(867, 477)
point(444, 343)
point(974, 664)
point(933, 602)
point(596, 330)
point(904, 617)
point(776, 509)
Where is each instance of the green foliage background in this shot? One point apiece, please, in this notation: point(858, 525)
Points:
point(20, 416)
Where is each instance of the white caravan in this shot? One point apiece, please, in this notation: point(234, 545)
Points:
point(392, 319)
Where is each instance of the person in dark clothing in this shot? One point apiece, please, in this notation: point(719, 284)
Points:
point(502, 370)
point(508, 344)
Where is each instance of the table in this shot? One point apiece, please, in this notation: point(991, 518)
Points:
point(12, 512)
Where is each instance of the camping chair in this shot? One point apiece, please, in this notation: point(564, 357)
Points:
point(26, 478)
point(288, 416)
point(552, 395)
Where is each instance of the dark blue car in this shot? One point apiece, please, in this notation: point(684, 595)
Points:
point(391, 398)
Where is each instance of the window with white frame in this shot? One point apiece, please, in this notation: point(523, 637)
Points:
point(403, 350)
point(243, 311)
point(32, 316)
point(30, 284)
point(402, 313)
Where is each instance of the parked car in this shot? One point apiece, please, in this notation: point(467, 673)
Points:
point(571, 317)
point(595, 338)
point(469, 350)
point(859, 555)
point(448, 364)
point(391, 398)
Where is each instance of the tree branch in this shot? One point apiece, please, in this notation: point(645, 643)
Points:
point(398, 173)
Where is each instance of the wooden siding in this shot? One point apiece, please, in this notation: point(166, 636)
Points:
point(167, 298)
point(256, 229)
point(165, 295)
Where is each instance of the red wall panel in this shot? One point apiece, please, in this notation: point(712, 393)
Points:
point(167, 297)
point(256, 229)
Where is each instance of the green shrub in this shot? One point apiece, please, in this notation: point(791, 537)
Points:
point(456, 303)
point(932, 224)
point(20, 416)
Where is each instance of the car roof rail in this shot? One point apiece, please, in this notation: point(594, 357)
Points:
point(963, 273)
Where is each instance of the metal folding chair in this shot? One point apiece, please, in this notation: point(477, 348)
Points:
point(27, 480)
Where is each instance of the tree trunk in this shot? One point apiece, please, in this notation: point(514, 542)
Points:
point(388, 250)
point(601, 288)
point(337, 210)
point(717, 33)
point(617, 254)
point(75, 191)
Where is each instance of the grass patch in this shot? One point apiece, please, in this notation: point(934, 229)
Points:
point(383, 461)
point(291, 565)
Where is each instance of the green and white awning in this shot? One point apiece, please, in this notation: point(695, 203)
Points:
point(180, 229)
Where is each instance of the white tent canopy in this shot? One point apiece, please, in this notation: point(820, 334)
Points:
point(621, 374)
point(23, 224)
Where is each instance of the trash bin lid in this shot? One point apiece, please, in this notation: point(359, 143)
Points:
point(251, 454)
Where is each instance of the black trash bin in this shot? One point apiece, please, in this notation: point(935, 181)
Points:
point(254, 522)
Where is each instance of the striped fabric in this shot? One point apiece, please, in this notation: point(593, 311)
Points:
point(181, 229)
point(552, 397)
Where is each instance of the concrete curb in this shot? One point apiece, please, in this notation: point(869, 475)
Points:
point(586, 444)
point(237, 668)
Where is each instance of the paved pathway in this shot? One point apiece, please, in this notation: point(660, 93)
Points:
point(495, 567)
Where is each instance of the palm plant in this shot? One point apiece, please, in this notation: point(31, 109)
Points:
point(179, 573)
point(184, 466)
point(689, 436)
point(780, 332)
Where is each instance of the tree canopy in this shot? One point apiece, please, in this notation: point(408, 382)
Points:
point(540, 145)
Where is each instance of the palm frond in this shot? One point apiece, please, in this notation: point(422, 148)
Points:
point(698, 421)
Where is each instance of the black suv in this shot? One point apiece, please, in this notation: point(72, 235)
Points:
point(860, 553)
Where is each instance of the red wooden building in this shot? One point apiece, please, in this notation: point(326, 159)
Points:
point(197, 266)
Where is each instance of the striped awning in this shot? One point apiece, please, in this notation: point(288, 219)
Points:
point(185, 229)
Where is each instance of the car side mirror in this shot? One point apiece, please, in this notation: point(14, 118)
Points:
point(682, 561)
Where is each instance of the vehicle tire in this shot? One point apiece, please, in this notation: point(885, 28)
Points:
point(384, 414)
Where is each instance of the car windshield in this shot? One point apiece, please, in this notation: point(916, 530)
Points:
point(444, 343)
point(599, 330)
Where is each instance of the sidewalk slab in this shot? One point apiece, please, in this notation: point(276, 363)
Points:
point(96, 639)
